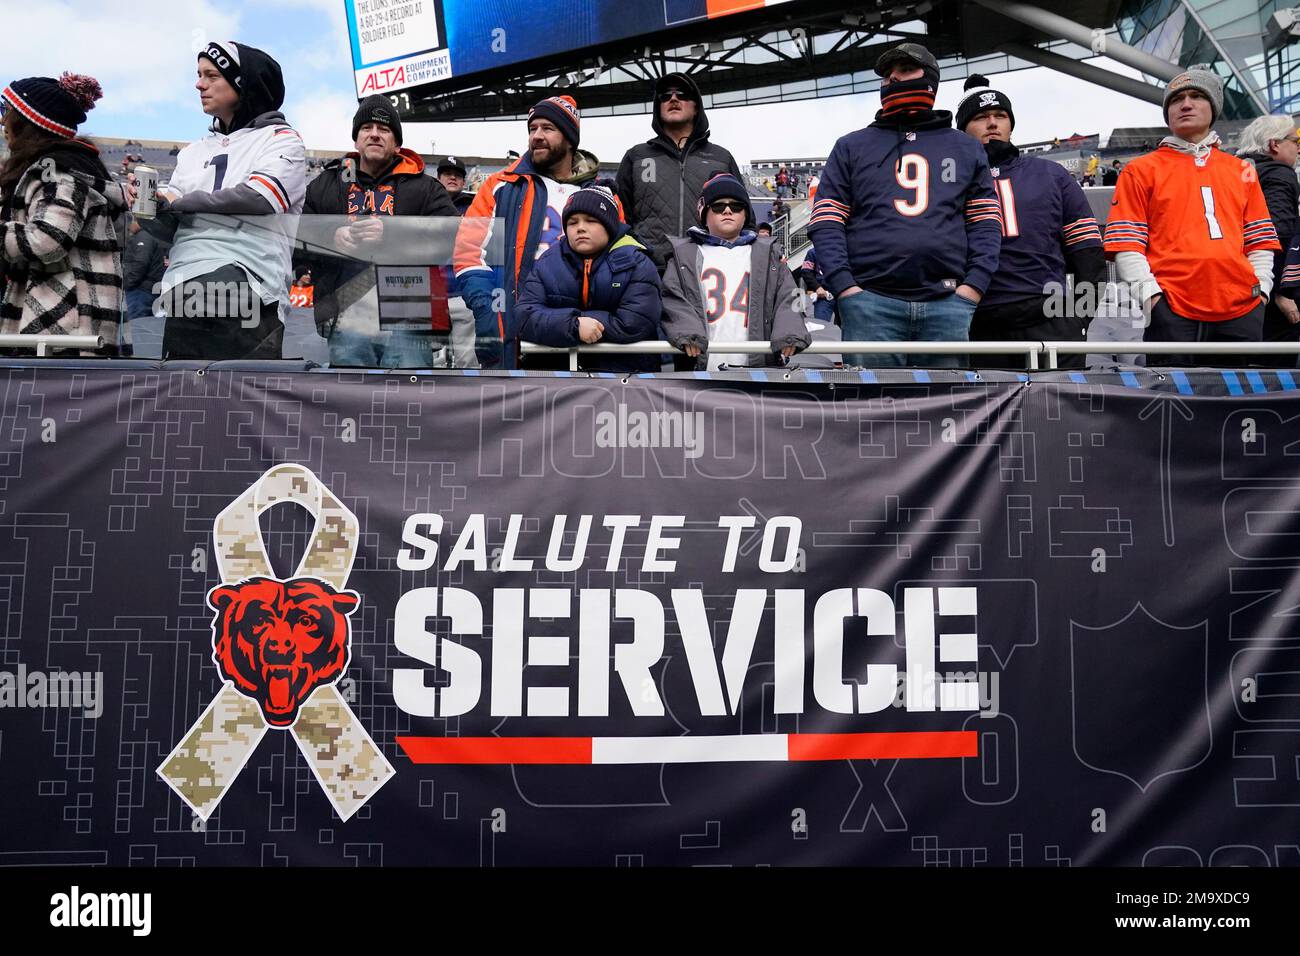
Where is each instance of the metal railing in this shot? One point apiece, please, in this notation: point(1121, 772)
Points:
point(43, 343)
point(1032, 350)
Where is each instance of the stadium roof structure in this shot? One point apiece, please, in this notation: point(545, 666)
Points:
point(799, 49)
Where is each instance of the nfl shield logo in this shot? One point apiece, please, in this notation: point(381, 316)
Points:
point(1139, 693)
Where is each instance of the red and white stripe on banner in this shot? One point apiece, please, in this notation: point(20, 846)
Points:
point(731, 748)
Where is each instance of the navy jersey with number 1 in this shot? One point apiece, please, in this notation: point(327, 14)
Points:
point(1045, 218)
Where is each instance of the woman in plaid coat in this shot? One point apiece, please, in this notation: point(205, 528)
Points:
point(60, 252)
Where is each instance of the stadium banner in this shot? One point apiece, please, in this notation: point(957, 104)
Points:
point(276, 617)
point(399, 44)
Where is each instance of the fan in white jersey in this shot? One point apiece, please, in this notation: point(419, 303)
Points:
point(229, 200)
point(724, 283)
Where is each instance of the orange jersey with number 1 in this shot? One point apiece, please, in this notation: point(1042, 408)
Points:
point(1196, 225)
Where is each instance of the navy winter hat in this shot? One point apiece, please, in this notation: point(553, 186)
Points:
point(56, 106)
point(563, 112)
point(723, 186)
point(597, 201)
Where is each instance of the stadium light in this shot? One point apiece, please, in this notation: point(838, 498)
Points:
point(1283, 29)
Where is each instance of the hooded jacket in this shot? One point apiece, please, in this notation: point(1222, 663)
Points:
point(261, 89)
point(60, 252)
point(772, 294)
point(343, 189)
point(906, 208)
point(257, 166)
point(510, 204)
point(659, 184)
point(619, 288)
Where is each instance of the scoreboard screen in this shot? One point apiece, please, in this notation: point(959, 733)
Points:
point(399, 44)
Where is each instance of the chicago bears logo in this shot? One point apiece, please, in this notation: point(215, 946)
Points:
point(277, 641)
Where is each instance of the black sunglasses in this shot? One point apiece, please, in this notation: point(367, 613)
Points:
point(667, 95)
point(725, 206)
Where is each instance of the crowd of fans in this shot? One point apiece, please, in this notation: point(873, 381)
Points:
point(922, 230)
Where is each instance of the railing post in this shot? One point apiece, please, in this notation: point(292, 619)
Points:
point(1033, 358)
point(573, 360)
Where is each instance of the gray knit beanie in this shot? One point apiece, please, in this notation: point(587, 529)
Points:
point(1197, 78)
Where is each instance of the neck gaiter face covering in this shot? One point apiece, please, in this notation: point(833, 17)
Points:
point(907, 96)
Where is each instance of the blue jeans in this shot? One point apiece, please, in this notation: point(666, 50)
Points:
point(395, 349)
point(139, 303)
point(824, 310)
point(871, 317)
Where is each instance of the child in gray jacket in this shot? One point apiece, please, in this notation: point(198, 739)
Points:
point(726, 284)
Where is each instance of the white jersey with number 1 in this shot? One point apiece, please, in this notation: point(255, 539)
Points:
point(267, 157)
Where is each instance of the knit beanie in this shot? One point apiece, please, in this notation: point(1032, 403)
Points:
point(723, 186)
point(981, 97)
point(563, 112)
point(57, 106)
point(377, 109)
point(597, 201)
point(1199, 79)
point(225, 57)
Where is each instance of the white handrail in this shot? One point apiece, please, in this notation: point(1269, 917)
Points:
point(42, 343)
point(1032, 349)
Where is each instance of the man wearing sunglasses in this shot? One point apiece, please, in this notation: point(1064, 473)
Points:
point(660, 181)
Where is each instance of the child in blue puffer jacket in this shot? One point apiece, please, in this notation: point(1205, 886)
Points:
point(597, 284)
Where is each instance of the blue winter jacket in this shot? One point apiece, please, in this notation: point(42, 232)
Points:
point(619, 288)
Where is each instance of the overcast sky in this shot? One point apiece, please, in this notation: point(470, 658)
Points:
point(143, 53)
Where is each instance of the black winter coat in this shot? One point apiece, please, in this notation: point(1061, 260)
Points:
point(404, 190)
point(659, 185)
point(143, 262)
point(1282, 194)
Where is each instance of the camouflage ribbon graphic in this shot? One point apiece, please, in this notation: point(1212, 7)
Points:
point(347, 763)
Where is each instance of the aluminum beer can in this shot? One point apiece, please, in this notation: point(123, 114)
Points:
point(146, 196)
